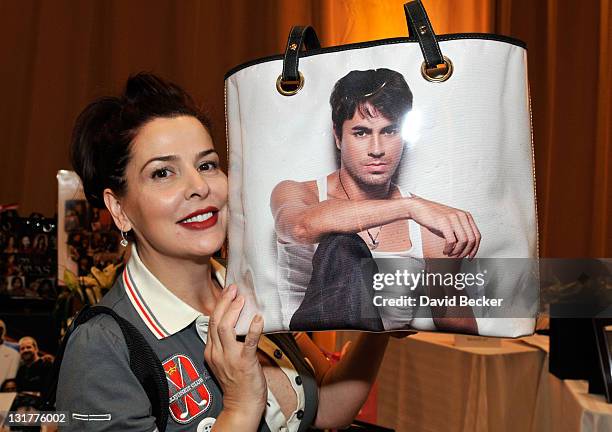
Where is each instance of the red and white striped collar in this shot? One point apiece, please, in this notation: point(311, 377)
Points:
point(162, 312)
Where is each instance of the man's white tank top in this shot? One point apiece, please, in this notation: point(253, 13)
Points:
point(295, 261)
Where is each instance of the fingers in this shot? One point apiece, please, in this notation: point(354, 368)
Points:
point(467, 235)
point(472, 241)
point(462, 237)
point(215, 319)
point(473, 235)
point(226, 328)
point(450, 238)
point(476, 232)
point(457, 227)
point(252, 338)
point(222, 326)
point(233, 363)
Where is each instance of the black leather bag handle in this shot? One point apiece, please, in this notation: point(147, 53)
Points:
point(291, 80)
point(420, 28)
point(435, 68)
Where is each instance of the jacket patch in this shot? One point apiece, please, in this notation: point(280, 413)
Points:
point(188, 395)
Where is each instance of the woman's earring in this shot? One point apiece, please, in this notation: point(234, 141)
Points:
point(124, 240)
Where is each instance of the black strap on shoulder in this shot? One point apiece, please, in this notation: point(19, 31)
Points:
point(419, 27)
point(299, 36)
point(144, 363)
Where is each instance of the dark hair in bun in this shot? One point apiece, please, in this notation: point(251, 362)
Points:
point(103, 132)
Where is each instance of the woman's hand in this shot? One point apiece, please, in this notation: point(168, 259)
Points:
point(456, 226)
point(234, 363)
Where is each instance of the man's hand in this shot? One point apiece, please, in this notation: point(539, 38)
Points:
point(456, 226)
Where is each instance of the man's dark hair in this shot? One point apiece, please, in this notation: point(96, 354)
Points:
point(384, 89)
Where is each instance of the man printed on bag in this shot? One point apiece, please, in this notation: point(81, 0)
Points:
point(368, 112)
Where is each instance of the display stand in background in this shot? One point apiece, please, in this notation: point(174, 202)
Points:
point(86, 236)
point(28, 289)
point(27, 255)
point(88, 255)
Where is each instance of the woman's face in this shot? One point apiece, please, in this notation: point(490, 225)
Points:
point(176, 196)
point(17, 283)
point(10, 386)
point(41, 241)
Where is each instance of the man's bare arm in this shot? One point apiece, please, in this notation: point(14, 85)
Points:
point(300, 218)
point(457, 319)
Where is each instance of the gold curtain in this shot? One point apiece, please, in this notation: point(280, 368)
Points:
point(58, 55)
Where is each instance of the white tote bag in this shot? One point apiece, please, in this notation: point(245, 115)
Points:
point(384, 185)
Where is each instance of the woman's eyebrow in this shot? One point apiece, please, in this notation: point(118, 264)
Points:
point(167, 158)
point(204, 153)
point(172, 158)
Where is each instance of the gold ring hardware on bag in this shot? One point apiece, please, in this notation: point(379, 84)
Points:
point(289, 88)
point(438, 74)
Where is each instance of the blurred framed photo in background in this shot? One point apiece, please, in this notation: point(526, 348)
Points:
point(27, 255)
point(87, 237)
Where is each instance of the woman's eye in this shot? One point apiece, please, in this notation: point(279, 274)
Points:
point(160, 173)
point(208, 166)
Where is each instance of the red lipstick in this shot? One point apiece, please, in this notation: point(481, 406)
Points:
point(200, 219)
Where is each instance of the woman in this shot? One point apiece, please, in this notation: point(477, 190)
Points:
point(26, 245)
point(17, 288)
point(11, 245)
point(149, 158)
point(41, 244)
point(9, 386)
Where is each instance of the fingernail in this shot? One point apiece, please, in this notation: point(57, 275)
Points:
point(257, 318)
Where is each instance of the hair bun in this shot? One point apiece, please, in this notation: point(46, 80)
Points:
point(91, 138)
point(144, 86)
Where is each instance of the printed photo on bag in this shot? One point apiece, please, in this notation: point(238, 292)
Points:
point(370, 116)
point(374, 199)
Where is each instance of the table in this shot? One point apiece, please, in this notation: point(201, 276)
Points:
point(566, 405)
point(427, 384)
